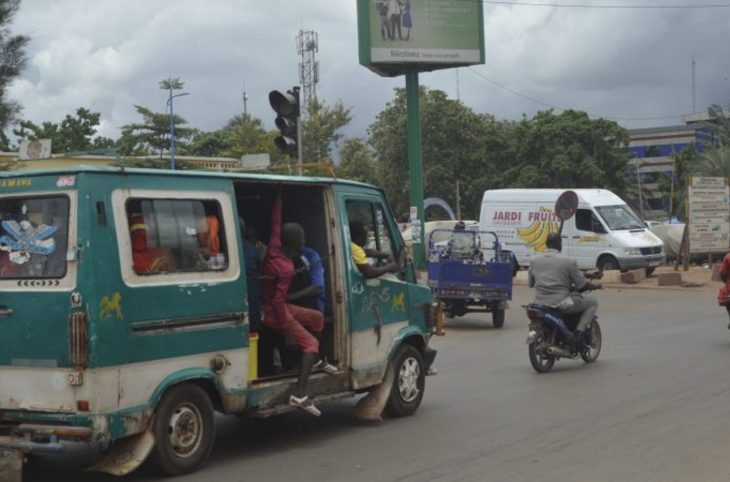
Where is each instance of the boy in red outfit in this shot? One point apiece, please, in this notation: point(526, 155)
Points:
point(290, 320)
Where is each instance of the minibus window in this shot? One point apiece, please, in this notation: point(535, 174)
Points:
point(176, 235)
point(385, 245)
point(33, 237)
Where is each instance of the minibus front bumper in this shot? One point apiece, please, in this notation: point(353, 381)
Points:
point(637, 262)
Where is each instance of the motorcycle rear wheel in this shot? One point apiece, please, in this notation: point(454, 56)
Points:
point(590, 354)
point(540, 361)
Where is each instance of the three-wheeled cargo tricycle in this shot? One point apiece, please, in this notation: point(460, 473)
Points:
point(467, 275)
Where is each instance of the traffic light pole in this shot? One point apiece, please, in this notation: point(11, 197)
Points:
point(415, 168)
point(300, 155)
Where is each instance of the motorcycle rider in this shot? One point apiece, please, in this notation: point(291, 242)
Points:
point(558, 282)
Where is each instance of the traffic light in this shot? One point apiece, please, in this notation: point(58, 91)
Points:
point(286, 106)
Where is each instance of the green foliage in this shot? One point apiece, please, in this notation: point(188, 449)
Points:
point(208, 144)
point(152, 134)
point(72, 134)
point(719, 125)
point(458, 144)
point(321, 130)
point(247, 135)
point(685, 162)
point(567, 150)
point(172, 83)
point(12, 61)
point(357, 162)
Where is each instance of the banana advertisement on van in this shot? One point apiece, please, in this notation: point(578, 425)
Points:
point(530, 228)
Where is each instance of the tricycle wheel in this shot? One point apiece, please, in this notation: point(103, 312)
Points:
point(498, 317)
point(184, 429)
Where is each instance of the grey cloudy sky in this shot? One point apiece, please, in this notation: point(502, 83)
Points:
point(107, 55)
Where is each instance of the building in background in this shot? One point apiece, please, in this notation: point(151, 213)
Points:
point(652, 150)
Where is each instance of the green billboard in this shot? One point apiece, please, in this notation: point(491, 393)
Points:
point(396, 36)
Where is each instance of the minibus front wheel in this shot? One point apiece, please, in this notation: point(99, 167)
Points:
point(409, 382)
point(184, 429)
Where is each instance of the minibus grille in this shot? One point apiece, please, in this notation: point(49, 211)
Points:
point(652, 250)
point(78, 340)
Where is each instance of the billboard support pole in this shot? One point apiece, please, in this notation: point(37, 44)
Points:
point(415, 166)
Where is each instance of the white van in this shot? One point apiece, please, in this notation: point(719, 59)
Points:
point(604, 233)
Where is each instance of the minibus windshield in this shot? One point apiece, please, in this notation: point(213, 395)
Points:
point(33, 237)
point(619, 217)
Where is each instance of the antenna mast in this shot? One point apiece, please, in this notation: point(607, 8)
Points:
point(307, 47)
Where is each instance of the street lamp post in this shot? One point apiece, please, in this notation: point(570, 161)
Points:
point(172, 126)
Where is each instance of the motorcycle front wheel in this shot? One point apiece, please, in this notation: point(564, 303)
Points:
point(590, 354)
point(540, 361)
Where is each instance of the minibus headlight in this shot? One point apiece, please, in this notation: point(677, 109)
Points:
point(632, 251)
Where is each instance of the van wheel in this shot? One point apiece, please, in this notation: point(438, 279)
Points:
point(607, 263)
point(408, 384)
point(184, 429)
point(649, 271)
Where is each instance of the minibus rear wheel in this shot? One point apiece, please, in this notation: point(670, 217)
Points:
point(408, 383)
point(184, 429)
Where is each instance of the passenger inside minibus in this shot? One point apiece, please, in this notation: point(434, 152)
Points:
point(311, 286)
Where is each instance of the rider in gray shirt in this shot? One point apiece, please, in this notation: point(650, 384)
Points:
point(558, 282)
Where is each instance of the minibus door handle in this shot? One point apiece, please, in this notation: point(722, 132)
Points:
point(6, 312)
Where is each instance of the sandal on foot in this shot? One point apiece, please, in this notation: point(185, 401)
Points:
point(305, 404)
point(326, 367)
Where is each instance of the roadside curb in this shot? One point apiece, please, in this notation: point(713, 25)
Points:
point(651, 287)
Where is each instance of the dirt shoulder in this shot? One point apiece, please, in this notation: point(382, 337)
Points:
point(695, 278)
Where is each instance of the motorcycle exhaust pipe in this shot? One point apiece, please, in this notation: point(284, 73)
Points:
point(555, 351)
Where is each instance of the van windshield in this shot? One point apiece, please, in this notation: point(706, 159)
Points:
point(619, 217)
point(33, 237)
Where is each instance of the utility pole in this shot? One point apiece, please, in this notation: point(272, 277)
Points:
point(693, 83)
point(458, 199)
point(172, 84)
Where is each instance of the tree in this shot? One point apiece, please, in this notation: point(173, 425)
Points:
point(321, 130)
point(12, 61)
point(456, 147)
point(718, 125)
point(151, 135)
point(247, 135)
point(72, 134)
point(208, 144)
point(357, 162)
point(568, 150)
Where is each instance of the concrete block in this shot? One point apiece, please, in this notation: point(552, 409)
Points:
point(669, 279)
point(611, 276)
point(634, 276)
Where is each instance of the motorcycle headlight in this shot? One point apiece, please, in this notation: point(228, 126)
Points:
point(632, 251)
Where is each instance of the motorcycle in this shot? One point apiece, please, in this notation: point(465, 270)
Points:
point(551, 333)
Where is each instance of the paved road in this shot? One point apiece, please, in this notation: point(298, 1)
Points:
point(654, 407)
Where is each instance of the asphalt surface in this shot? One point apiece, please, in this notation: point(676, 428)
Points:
point(654, 407)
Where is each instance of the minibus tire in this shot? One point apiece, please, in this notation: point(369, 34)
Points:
point(408, 362)
point(187, 407)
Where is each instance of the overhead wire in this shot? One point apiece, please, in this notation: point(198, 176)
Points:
point(557, 107)
point(606, 6)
